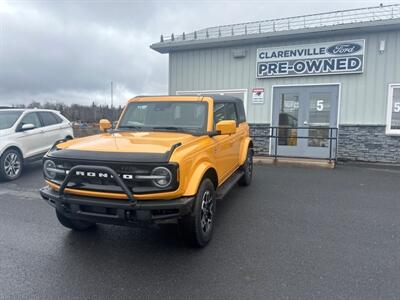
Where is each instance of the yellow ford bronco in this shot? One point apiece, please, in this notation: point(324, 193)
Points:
point(169, 159)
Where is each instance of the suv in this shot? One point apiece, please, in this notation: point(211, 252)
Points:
point(26, 135)
point(168, 160)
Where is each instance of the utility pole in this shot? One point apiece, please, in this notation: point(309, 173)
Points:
point(94, 106)
point(112, 114)
point(111, 94)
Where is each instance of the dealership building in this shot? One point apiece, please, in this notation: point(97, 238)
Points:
point(319, 86)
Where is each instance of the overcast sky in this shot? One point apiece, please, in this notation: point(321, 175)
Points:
point(70, 51)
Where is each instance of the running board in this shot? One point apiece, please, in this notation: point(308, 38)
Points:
point(229, 184)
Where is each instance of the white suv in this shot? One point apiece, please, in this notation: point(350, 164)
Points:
point(26, 135)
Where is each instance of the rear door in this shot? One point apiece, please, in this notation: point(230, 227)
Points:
point(51, 128)
point(242, 128)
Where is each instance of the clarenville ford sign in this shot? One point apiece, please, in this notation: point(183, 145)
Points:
point(337, 57)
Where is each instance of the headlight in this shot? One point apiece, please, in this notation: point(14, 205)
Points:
point(161, 176)
point(49, 168)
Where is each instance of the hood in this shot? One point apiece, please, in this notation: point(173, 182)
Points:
point(123, 146)
point(145, 142)
point(5, 132)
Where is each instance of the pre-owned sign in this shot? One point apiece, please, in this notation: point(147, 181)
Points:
point(337, 57)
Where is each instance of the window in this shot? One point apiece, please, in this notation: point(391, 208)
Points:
point(8, 118)
point(393, 110)
point(48, 118)
point(165, 115)
point(241, 113)
point(225, 111)
point(58, 118)
point(31, 118)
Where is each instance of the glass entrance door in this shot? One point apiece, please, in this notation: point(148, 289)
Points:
point(304, 115)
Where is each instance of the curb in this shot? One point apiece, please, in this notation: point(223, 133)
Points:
point(319, 163)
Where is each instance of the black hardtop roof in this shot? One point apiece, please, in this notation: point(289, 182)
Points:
point(223, 98)
point(216, 97)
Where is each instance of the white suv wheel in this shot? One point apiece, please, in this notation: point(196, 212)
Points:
point(11, 165)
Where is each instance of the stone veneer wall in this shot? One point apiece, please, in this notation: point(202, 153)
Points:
point(356, 143)
point(368, 143)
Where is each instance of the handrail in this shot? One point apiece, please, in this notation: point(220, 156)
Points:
point(340, 17)
point(274, 135)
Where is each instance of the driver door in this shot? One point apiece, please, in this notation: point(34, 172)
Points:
point(30, 140)
point(227, 146)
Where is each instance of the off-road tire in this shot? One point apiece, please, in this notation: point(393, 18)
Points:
point(247, 168)
point(197, 228)
point(11, 156)
point(77, 225)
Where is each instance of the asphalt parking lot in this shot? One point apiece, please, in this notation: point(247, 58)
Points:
point(295, 233)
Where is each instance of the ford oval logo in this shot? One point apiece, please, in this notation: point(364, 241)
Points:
point(344, 48)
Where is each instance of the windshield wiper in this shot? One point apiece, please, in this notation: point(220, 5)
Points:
point(174, 128)
point(131, 127)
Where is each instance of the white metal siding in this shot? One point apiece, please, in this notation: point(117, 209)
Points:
point(363, 96)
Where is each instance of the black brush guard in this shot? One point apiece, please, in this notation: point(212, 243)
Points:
point(85, 168)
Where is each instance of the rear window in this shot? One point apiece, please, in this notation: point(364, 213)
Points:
point(49, 118)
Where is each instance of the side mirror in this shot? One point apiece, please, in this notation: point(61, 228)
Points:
point(104, 124)
point(226, 127)
point(26, 127)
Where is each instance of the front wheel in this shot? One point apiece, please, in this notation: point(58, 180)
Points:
point(197, 228)
point(77, 225)
point(247, 168)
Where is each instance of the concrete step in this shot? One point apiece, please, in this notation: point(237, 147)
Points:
point(306, 162)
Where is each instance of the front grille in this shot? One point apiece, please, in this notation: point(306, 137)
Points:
point(137, 186)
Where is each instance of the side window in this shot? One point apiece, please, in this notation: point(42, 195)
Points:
point(224, 111)
point(241, 113)
point(31, 118)
point(219, 112)
point(48, 118)
point(230, 112)
point(58, 118)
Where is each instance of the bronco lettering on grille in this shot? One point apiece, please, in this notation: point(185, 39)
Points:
point(102, 175)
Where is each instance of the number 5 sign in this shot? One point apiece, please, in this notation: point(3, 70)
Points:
point(320, 105)
point(396, 107)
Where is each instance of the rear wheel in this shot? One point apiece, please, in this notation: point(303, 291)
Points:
point(247, 167)
point(77, 225)
point(11, 165)
point(197, 228)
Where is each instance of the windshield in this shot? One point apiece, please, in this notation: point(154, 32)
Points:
point(165, 116)
point(8, 118)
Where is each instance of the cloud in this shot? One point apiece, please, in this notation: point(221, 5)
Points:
point(44, 53)
point(71, 50)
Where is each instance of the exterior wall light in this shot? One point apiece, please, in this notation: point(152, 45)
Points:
point(239, 53)
point(382, 46)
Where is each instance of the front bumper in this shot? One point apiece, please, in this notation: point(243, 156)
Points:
point(118, 212)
